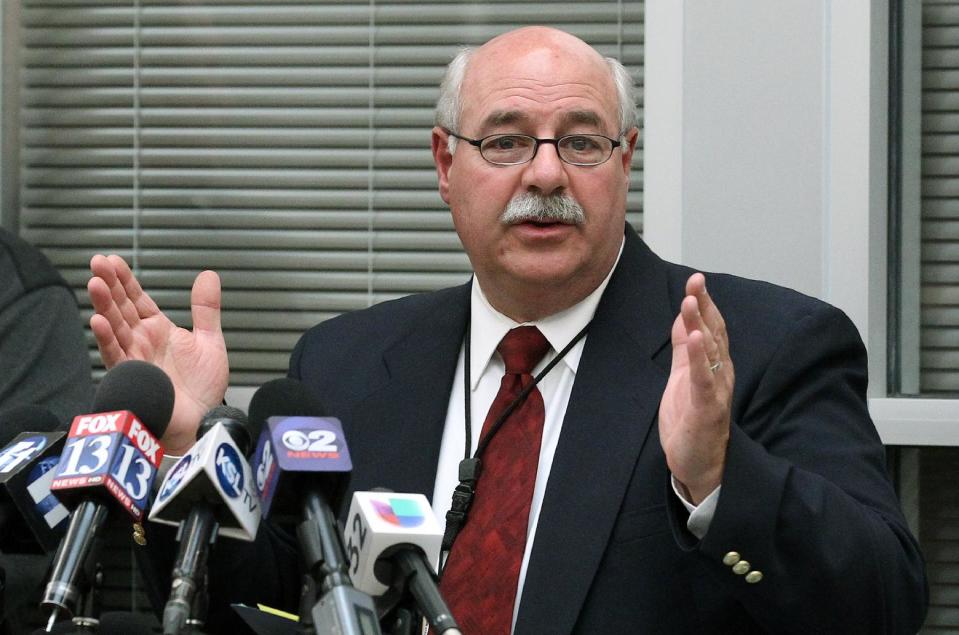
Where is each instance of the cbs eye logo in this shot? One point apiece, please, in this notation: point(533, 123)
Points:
point(309, 440)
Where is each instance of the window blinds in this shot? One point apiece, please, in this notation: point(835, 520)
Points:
point(285, 145)
point(939, 315)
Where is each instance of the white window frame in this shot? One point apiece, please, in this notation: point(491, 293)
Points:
point(848, 258)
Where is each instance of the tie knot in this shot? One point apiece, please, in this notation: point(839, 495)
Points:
point(521, 349)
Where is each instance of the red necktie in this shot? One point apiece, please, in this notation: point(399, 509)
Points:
point(481, 574)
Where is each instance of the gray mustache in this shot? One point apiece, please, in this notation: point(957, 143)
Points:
point(558, 208)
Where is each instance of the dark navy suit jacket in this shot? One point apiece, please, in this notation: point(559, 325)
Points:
point(805, 498)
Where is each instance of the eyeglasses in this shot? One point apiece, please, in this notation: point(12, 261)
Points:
point(514, 149)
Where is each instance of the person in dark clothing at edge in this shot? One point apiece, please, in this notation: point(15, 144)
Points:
point(44, 361)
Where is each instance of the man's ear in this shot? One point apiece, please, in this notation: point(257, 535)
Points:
point(632, 137)
point(443, 159)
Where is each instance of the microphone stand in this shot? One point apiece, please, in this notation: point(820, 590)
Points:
point(402, 620)
point(341, 609)
point(77, 576)
point(90, 605)
point(188, 599)
point(307, 600)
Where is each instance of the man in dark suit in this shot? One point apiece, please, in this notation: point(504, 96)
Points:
point(669, 494)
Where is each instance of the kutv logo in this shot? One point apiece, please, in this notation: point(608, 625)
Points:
point(310, 444)
point(20, 452)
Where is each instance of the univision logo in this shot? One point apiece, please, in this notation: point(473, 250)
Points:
point(229, 471)
point(401, 512)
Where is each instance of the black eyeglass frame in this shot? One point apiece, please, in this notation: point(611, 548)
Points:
point(477, 143)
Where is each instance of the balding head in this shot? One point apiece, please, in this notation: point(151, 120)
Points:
point(521, 42)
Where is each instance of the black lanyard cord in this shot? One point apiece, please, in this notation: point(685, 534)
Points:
point(469, 467)
point(520, 398)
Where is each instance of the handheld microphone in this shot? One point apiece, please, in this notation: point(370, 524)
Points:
point(394, 541)
point(302, 470)
point(209, 491)
point(31, 518)
point(110, 456)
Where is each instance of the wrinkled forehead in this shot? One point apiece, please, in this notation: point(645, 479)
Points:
point(526, 81)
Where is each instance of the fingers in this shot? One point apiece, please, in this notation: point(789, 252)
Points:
point(205, 302)
point(703, 314)
point(124, 289)
point(128, 293)
point(110, 350)
point(701, 347)
point(120, 305)
point(109, 324)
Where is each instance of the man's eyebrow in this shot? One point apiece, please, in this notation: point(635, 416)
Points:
point(509, 117)
point(504, 117)
point(587, 117)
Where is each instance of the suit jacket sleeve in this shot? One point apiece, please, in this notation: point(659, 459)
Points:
point(806, 499)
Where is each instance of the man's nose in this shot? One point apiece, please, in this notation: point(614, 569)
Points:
point(545, 172)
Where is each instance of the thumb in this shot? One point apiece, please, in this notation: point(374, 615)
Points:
point(205, 302)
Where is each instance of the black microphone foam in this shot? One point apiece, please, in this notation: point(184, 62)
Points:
point(285, 397)
point(26, 418)
point(140, 387)
point(236, 424)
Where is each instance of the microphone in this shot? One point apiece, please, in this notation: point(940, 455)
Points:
point(209, 491)
point(31, 518)
point(394, 543)
point(109, 456)
point(296, 448)
point(302, 470)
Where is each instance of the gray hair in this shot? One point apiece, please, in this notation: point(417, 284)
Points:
point(449, 105)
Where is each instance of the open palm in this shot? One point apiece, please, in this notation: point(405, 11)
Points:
point(127, 324)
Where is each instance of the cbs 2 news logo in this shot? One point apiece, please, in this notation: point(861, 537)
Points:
point(90, 456)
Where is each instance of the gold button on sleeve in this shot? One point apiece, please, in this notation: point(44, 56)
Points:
point(731, 558)
point(741, 567)
point(754, 576)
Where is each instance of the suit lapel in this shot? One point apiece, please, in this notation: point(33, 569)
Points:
point(401, 423)
point(612, 407)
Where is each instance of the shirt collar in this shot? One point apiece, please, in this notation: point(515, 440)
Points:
point(488, 326)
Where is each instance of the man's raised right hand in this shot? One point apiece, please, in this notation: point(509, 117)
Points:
point(128, 324)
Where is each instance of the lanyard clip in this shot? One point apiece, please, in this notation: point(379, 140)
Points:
point(462, 500)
